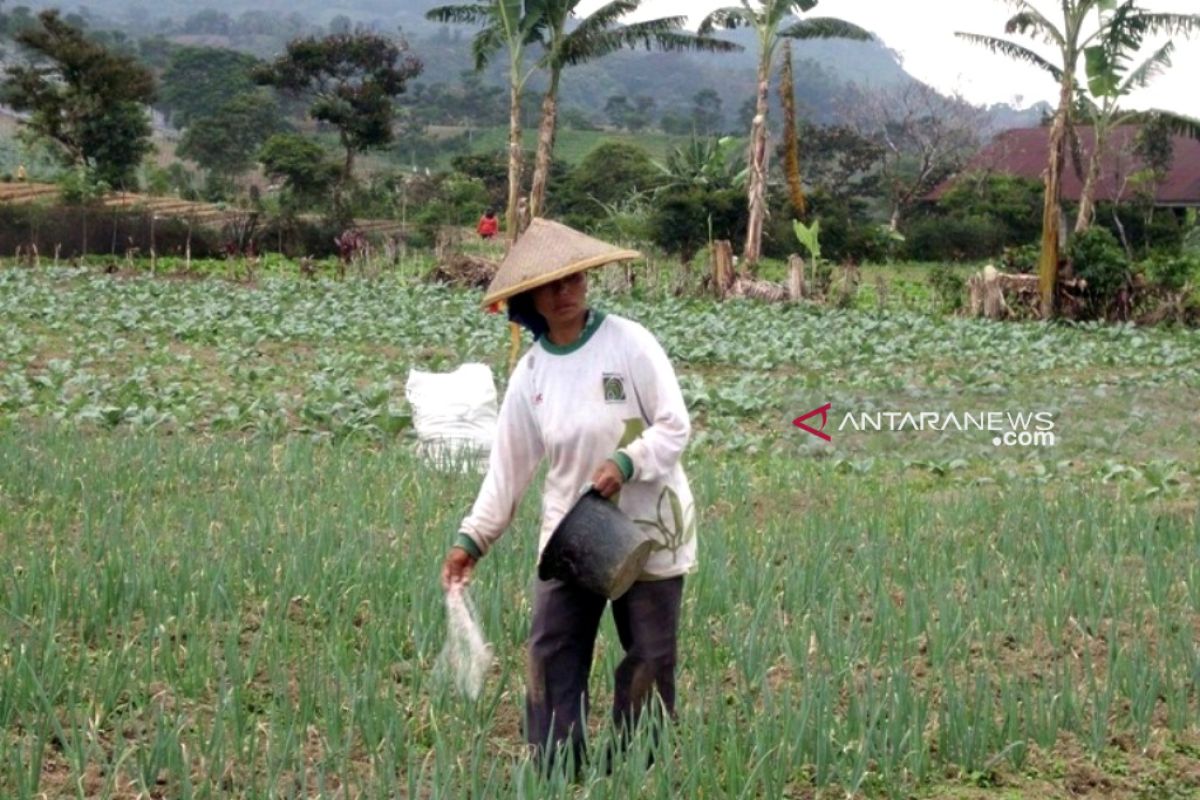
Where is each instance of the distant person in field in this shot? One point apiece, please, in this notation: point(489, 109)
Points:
point(597, 398)
point(489, 225)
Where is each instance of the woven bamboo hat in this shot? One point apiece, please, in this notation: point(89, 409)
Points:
point(546, 252)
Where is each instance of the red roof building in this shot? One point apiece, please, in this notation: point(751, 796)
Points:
point(1023, 152)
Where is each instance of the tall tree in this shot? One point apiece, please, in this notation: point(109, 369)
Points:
point(301, 164)
point(708, 119)
point(618, 109)
point(923, 138)
point(510, 25)
point(597, 35)
point(352, 80)
point(767, 18)
point(87, 101)
point(641, 113)
point(1071, 38)
point(199, 80)
point(227, 142)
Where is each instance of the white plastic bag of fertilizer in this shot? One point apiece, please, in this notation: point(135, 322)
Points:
point(454, 414)
point(466, 657)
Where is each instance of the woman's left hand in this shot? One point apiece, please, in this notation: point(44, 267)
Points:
point(607, 479)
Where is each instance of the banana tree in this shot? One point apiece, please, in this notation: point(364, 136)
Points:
point(1070, 36)
point(597, 35)
point(1109, 82)
point(767, 18)
point(510, 25)
point(703, 163)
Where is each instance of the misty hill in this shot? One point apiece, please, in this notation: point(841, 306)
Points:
point(828, 73)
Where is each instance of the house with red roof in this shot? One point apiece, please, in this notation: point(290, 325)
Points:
point(1022, 152)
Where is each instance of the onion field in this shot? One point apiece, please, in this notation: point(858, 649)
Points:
point(220, 554)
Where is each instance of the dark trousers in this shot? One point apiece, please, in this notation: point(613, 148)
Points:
point(562, 638)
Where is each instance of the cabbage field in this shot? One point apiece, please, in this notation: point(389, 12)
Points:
point(219, 553)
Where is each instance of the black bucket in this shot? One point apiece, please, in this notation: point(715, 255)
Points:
point(597, 547)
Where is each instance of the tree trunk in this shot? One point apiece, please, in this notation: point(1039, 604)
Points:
point(1051, 211)
point(514, 163)
point(545, 148)
point(1121, 233)
point(791, 141)
point(757, 162)
point(1087, 203)
point(894, 219)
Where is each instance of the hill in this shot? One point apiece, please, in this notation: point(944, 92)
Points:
point(824, 69)
point(829, 74)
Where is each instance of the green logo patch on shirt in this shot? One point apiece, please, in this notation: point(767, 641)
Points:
point(614, 388)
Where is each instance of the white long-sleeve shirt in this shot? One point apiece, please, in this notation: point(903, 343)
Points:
point(612, 389)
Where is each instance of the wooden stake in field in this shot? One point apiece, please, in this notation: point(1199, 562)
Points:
point(514, 330)
point(795, 277)
point(723, 275)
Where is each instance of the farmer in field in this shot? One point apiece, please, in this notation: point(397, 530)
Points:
point(488, 225)
point(597, 398)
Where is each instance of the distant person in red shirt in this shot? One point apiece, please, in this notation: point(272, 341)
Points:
point(488, 226)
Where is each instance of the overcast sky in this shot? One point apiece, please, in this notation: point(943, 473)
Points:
point(922, 31)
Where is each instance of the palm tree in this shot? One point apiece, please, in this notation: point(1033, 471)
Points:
point(1108, 83)
point(1071, 43)
point(510, 25)
point(597, 35)
point(767, 17)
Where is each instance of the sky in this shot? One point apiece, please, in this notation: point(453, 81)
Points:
point(922, 31)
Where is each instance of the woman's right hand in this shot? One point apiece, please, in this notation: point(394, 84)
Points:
point(457, 568)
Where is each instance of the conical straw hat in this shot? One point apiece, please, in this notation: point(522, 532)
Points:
point(546, 252)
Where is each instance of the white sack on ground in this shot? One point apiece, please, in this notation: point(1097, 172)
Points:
point(454, 414)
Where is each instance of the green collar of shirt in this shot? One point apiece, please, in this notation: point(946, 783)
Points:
point(595, 317)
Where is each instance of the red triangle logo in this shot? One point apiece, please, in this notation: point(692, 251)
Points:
point(823, 412)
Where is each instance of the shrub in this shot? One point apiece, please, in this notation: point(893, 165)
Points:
point(1012, 203)
point(577, 119)
point(952, 239)
point(847, 231)
point(1099, 259)
point(491, 170)
point(1173, 272)
point(82, 185)
point(1145, 232)
point(1191, 241)
point(1022, 258)
point(608, 175)
point(429, 201)
point(684, 218)
point(948, 286)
